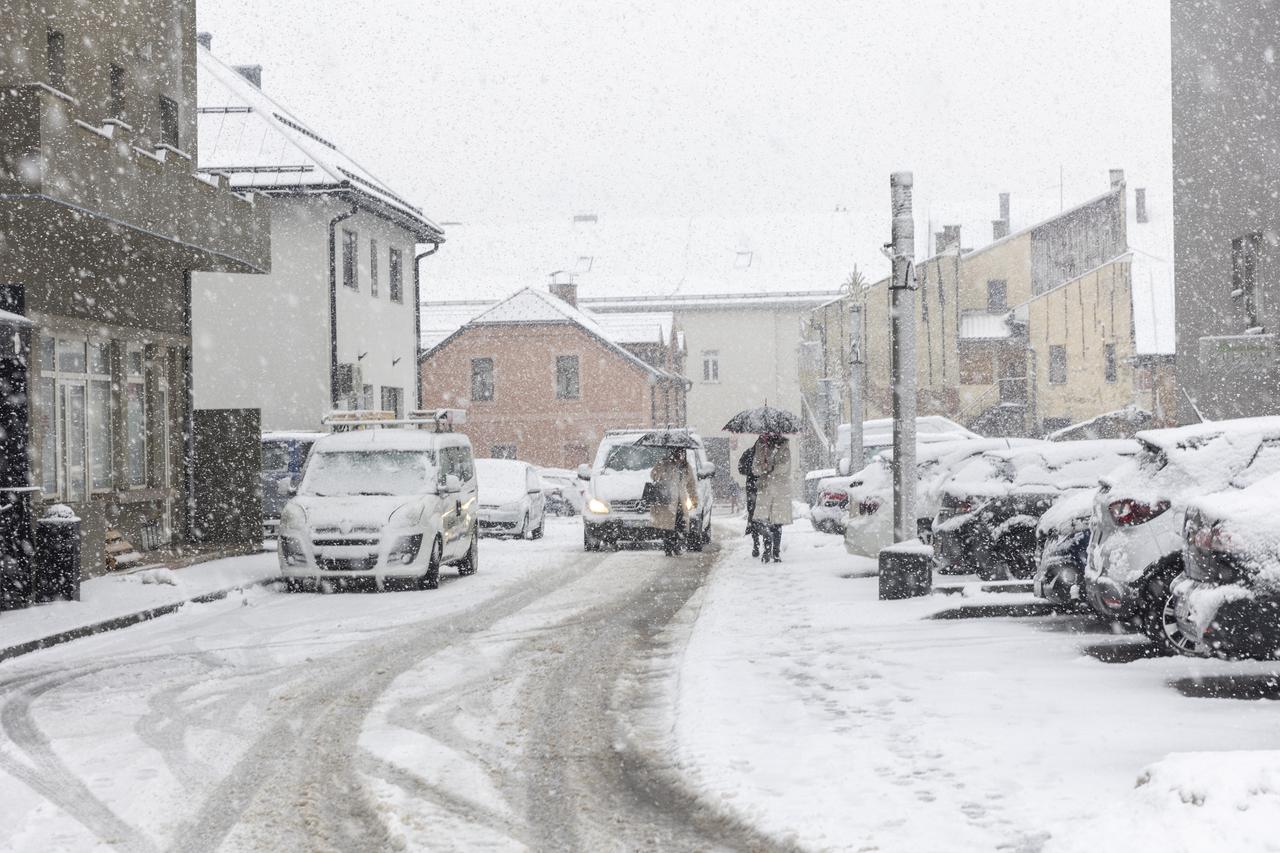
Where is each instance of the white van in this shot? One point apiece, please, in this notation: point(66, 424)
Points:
point(388, 503)
point(615, 486)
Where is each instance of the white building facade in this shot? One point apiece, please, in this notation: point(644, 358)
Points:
point(336, 322)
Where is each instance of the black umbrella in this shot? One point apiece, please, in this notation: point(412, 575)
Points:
point(763, 420)
point(667, 438)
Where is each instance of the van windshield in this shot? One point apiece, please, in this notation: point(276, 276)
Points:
point(631, 457)
point(369, 472)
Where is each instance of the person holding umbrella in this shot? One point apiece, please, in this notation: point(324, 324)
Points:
point(770, 468)
point(745, 469)
point(674, 494)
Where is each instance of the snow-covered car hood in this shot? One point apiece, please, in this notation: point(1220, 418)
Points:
point(619, 485)
point(349, 511)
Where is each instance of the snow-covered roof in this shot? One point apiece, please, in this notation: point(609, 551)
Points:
point(259, 144)
point(641, 327)
point(8, 318)
point(532, 306)
point(981, 325)
point(649, 256)
point(709, 301)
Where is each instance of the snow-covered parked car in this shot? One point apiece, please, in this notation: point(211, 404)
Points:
point(994, 505)
point(511, 499)
point(869, 526)
point(382, 504)
point(1062, 548)
point(1228, 597)
point(812, 480)
point(562, 490)
point(283, 456)
point(1136, 528)
point(830, 507)
point(615, 510)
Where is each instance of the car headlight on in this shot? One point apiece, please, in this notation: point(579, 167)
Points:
point(293, 516)
point(598, 506)
point(405, 550)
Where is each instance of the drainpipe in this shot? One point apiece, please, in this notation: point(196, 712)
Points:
point(333, 304)
point(417, 321)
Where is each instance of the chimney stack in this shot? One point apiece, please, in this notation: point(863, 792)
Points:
point(252, 73)
point(950, 237)
point(1117, 177)
point(1140, 204)
point(205, 40)
point(564, 288)
point(1004, 208)
point(999, 229)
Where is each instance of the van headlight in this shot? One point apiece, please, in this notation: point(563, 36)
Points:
point(291, 553)
point(598, 506)
point(293, 517)
point(405, 551)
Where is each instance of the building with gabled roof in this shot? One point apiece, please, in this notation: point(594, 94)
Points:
point(337, 323)
point(542, 379)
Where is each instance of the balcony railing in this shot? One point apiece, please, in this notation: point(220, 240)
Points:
point(51, 156)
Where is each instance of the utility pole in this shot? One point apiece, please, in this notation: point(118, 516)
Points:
point(856, 455)
point(902, 359)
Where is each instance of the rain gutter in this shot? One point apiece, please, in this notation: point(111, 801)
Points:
point(333, 303)
point(417, 321)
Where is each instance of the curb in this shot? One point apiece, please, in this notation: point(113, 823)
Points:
point(996, 611)
point(119, 622)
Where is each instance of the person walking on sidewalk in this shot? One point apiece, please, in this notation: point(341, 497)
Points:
point(675, 491)
point(745, 469)
point(771, 465)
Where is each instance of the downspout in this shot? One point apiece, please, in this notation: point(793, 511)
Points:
point(417, 322)
point(333, 304)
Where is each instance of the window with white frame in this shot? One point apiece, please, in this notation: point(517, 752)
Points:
point(395, 276)
point(373, 268)
point(135, 417)
point(711, 365)
point(73, 411)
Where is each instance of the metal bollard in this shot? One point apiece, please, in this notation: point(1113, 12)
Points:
point(58, 555)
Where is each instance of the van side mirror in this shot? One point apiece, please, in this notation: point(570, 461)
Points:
point(451, 486)
point(584, 472)
point(285, 487)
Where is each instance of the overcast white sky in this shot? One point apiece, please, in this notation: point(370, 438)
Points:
point(533, 108)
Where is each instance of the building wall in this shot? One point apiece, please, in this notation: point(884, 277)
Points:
point(758, 349)
point(525, 412)
point(1084, 316)
point(263, 341)
point(153, 42)
point(1226, 184)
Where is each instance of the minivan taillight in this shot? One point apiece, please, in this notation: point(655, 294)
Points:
point(1127, 512)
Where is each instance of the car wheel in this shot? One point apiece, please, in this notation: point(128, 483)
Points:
point(590, 542)
point(471, 562)
point(1160, 624)
point(294, 585)
point(431, 580)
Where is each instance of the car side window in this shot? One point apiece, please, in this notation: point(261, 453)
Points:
point(448, 463)
point(531, 482)
point(1265, 462)
point(465, 463)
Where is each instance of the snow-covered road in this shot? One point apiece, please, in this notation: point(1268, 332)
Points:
point(499, 712)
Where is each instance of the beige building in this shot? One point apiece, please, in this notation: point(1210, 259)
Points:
point(103, 218)
point(1053, 324)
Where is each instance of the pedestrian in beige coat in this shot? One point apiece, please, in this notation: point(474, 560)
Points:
point(772, 468)
point(678, 489)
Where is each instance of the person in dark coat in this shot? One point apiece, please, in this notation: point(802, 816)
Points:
point(745, 469)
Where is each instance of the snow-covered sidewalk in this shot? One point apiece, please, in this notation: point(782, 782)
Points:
point(827, 717)
point(113, 597)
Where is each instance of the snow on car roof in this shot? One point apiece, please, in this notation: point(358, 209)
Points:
point(1057, 454)
point(388, 439)
point(1180, 438)
point(292, 435)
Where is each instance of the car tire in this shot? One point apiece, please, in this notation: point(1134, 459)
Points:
point(294, 585)
point(590, 542)
point(1160, 626)
point(471, 562)
point(431, 580)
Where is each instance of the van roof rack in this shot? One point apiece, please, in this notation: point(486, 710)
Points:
point(347, 420)
point(624, 430)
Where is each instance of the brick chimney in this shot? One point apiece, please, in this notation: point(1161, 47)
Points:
point(252, 73)
point(1004, 207)
point(205, 40)
point(1140, 204)
point(950, 237)
point(564, 288)
point(1117, 177)
point(999, 228)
